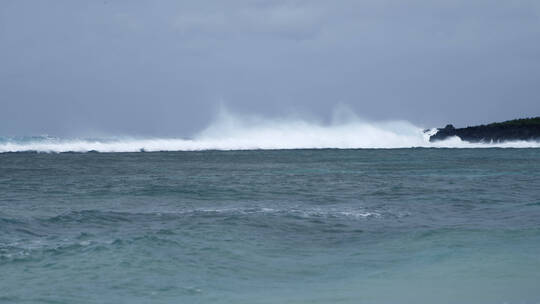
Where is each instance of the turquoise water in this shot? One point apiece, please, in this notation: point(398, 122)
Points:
point(282, 226)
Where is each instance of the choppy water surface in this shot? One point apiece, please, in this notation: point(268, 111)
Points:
point(285, 226)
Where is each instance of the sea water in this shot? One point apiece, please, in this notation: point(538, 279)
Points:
point(271, 226)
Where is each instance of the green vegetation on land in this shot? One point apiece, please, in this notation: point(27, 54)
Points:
point(533, 121)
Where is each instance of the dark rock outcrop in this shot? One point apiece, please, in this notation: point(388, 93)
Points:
point(517, 129)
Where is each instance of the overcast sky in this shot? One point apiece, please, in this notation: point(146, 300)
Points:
point(162, 67)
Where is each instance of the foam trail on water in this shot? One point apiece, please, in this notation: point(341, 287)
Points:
point(233, 132)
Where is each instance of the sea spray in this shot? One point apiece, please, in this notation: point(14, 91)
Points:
point(241, 132)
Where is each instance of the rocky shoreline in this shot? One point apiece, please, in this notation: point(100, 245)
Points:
point(511, 130)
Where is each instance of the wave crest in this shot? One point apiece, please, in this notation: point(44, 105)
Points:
point(233, 132)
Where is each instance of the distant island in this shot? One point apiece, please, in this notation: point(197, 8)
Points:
point(517, 129)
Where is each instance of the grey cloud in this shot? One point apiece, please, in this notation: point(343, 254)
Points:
point(162, 67)
point(288, 21)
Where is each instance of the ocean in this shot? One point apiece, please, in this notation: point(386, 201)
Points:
point(419, 225)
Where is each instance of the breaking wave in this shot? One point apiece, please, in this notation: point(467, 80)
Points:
point(233, 132)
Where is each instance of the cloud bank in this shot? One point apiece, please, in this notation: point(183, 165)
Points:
point(161, 68)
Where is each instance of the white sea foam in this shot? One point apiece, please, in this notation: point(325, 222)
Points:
point(234, 132)
point(296, 211)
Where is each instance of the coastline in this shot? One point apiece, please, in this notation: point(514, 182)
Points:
point(525, 129)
